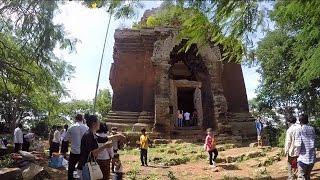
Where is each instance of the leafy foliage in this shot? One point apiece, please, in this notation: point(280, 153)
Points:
point(73, 107)
point(104, 102)
point(290, 75)
point(31, 76)
point(118, 8)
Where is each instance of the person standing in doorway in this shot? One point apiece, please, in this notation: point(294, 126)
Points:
point(290, 149)
point(74, 135)
point(305, 143)
point(194, 118)
point(187, 118)
point(180, 118)
point(18, 138)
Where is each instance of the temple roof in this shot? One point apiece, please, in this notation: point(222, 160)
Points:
point(139, 39)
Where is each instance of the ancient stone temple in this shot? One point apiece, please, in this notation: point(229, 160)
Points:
point(152, 79)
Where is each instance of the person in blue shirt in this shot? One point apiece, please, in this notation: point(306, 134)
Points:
point(259, 127)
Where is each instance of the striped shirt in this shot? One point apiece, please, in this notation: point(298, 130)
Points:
point(305, 139)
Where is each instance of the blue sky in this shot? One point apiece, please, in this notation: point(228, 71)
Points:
point(89, 27)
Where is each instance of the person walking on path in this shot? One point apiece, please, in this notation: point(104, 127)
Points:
point(210, 147)
point(290, 149)
point(74, 135)
point(305, 143)
point(18, 138)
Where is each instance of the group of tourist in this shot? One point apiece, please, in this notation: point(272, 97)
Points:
point(184, 119)
point(22, 139)
point(93, 140)
point(300, 147)
point(90, 140)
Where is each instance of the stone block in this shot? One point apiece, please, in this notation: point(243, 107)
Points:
point(255, 144)
point(11, 174)
point(161, 141)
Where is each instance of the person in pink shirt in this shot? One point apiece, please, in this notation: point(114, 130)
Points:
point(210, 147)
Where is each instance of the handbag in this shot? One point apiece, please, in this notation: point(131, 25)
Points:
point(91, 170)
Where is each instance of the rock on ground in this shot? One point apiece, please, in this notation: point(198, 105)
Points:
point(11, 173)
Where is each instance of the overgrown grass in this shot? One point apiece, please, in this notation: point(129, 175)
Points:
point(176, 154)
point(171, 176)
point(6, 162)
point(133, 173)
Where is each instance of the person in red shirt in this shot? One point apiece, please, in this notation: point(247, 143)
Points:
point(210, 147)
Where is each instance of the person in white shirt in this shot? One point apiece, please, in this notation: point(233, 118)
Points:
point(64, 141)
point(18, 138)
point(74, 135)
point(105, 156)
point(187, 118)
point(55, 145)
point(290, 149)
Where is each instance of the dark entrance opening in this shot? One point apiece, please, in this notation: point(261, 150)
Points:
point(185, 99)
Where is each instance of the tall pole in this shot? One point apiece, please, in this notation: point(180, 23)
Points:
point(101, 61)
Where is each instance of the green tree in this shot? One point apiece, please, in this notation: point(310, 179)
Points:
point(104, 102)
point(31, 75)
point(73, 107)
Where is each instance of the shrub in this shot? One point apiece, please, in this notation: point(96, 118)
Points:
point(40, 128)
point(316, 125)
point(133, 173)
point(275, 135)
point(6, 162)
point(177, 161)
point(171, 176)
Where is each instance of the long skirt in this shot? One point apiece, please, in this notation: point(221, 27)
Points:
point(105, 168)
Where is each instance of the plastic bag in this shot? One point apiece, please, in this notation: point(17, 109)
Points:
point(56, 162)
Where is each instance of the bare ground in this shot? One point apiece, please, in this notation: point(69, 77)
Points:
point(198, 168)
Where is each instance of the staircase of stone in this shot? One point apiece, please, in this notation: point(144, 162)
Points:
point(196, 134)
point(130, 121)
point(239, 117)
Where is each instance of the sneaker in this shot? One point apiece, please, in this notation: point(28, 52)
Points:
point(142, 164)
point(213, 163)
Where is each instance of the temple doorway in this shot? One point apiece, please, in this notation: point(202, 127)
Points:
point(186, 99)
